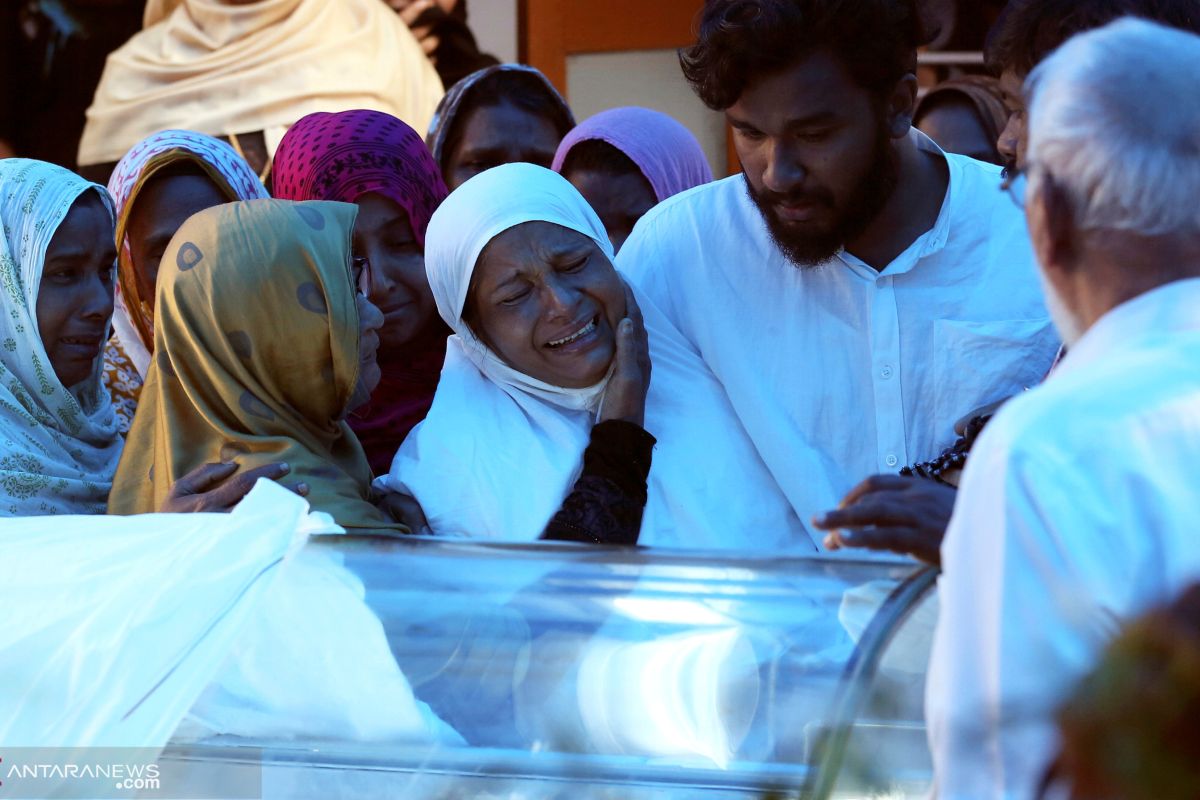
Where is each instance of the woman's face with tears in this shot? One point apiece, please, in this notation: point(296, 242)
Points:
point(547, 300)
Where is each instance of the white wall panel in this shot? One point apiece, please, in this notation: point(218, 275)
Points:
point(651, 78)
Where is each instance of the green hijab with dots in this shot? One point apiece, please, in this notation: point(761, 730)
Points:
point(256, 357)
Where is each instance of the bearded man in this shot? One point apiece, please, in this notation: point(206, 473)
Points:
point(855, 290)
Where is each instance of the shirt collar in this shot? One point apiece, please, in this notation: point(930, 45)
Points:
point(1172, 307)
point(927, 244)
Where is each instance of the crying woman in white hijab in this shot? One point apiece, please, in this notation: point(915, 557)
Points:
point(547, 422)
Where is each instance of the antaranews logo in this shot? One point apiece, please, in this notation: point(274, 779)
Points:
point(127, 776)
point(125, 773)
point(82, 772)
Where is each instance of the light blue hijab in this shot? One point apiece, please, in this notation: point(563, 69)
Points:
point(59, 446)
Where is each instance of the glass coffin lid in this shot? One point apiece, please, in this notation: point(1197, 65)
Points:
point(553, 670)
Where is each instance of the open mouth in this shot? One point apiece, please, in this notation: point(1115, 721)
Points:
point(88, 343)
point(574, 337)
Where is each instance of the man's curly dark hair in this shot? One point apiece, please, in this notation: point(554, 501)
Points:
point(740, 40)
point(1029, 30)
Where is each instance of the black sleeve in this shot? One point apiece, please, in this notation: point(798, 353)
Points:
point(605, 506)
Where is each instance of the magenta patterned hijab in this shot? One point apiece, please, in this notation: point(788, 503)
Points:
point(665, 151)
point(342, 157)
point(346, 155)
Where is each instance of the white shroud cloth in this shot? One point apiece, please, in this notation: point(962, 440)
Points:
point(118, 627)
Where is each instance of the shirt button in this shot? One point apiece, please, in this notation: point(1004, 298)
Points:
point(885, 373)
point(891, 460)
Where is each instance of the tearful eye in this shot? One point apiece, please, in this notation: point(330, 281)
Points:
point(575, 266)
point(515, 299)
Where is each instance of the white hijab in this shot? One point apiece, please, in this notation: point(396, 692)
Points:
point(499, 450)
point(58, 447)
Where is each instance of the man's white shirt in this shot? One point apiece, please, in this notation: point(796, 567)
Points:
point(1078, 508)
point(839, 372)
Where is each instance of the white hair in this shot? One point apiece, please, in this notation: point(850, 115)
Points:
point(1115, 119)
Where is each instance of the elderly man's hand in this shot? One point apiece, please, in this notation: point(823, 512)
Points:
point(888, 512)
point(214, 487)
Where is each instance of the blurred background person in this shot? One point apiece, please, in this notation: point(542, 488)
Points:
point(1131, 728)
point(245, 71)
point(499, 115)
point(965, 116)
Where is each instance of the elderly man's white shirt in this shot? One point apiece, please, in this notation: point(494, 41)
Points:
point(1078, 508)
point(839, 372)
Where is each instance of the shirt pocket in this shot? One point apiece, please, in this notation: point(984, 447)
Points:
point(976, 363)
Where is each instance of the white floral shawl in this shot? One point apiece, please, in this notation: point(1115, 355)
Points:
point(58, 448)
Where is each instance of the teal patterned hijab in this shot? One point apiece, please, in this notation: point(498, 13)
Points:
point(58, 448)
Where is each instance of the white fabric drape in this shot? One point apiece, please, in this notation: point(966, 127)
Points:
point(499, 451)
point(124, 631)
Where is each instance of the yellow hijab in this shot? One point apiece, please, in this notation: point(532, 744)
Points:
point(255, 358)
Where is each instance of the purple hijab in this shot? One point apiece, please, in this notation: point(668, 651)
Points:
point(341, 157)
point(665, 151)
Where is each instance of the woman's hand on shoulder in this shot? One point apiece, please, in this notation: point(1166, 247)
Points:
point(404, 509)
point(626, 395)
point(219, 487)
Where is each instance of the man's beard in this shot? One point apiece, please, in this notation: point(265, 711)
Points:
point(868, 198)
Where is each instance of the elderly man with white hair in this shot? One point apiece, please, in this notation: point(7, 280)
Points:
point(1080, 504)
